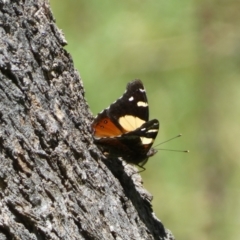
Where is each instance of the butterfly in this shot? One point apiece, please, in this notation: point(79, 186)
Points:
point(123, 129)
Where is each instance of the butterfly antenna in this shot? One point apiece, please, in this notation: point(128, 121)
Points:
point(179, 135)
point(184, 151)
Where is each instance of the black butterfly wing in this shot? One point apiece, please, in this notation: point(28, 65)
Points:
point(132, 103)
point(135, 146)
point(128, 113)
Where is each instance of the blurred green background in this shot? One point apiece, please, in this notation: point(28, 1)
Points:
point(187, 53)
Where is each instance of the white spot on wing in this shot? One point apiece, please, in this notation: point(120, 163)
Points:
point(130, 123)
point(131, 99)
point(143, 129)
point(141, 90)
point(152, 130)
point(142, 104)
point(146, 140)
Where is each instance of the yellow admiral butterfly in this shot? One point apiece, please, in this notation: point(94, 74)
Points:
point(123, 129)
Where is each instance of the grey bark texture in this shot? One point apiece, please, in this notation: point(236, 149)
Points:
point(54, 183)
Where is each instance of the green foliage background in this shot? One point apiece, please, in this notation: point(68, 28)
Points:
point(188, 55)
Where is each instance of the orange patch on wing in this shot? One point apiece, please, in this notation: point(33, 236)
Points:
point(106, 128)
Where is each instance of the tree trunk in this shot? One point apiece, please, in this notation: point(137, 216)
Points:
point(54, 183)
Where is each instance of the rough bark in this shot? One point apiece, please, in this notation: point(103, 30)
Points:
point(53, 182)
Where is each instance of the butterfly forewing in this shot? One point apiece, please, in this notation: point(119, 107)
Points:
point(104, 127)
point(127, 114)
point(132, 106)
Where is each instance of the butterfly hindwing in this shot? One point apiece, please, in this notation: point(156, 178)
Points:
point(134, 147)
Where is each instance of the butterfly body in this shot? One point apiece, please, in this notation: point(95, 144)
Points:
point(123, 129)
